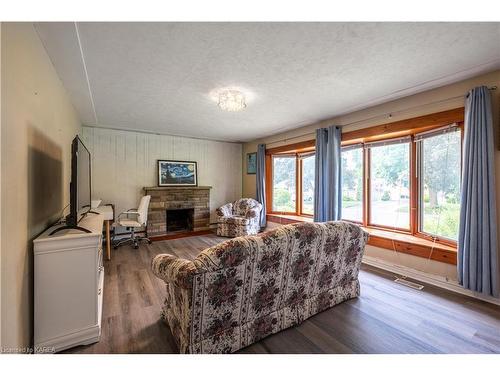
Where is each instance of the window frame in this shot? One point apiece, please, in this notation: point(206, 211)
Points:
point(367, 167)
point(298, 151)
point(300, 163)
point(418, 186)
point(361, 146)
point(289, 156)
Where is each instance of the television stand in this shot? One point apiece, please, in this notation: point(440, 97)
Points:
point(68, 286)
point(64, 227)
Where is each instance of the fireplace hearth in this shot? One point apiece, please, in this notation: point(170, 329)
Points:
point(179, 220)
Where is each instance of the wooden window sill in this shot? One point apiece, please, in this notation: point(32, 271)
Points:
point(408, 244)
point(401, 242)
point(288, 219)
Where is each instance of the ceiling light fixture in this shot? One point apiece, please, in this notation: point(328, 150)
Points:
point(231, 100)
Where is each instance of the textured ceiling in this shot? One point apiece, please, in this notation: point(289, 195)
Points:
point(157, 77)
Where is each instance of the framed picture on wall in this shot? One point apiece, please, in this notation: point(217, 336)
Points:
point(177, 173)
point(251, 163)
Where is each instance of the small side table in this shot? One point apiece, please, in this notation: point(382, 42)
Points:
point(108, 210)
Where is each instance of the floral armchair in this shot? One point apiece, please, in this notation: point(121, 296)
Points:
point(239, 218)
point(239, 291)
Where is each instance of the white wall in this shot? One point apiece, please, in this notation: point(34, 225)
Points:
point(38, 124)
point(123, 162)
point(431, 267)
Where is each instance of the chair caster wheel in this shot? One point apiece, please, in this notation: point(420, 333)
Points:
point(115, 247)
point(136, 247)
point(150, 242)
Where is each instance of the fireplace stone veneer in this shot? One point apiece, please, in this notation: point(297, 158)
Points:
point(175, 198)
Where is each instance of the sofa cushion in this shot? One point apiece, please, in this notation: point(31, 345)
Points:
point(236, 220)
point(233, 230)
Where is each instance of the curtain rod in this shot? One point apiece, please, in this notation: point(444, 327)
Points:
point(388, 114)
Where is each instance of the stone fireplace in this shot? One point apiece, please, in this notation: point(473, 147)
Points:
point(180, 219)
point(174, 210)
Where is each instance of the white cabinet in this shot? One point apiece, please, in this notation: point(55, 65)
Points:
point(68, 286)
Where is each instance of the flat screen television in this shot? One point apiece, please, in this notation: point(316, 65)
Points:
point(80, 188)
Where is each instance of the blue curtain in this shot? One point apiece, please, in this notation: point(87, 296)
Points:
point(260, 176)
point(327, 188)
point(477, 241)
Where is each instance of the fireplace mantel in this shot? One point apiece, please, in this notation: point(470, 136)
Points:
point(164, 198)
point(153, 188)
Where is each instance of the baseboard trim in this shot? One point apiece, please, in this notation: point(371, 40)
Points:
point(434, 280)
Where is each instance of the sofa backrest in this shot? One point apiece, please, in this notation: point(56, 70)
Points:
point(286, 269)
point(241, 206)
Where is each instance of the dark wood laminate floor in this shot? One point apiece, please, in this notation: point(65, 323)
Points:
point(386, 318)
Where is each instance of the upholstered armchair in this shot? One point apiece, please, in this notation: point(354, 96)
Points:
point(239, 218)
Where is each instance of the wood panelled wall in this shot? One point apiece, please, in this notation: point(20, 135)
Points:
point(123, 162)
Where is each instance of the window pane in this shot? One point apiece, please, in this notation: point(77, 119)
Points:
point(352, 184)
point(440, 185)
point(284, 189)
point(389, 185)
point(308, 185)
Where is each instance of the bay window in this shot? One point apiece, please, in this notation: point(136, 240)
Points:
point(400, 181)
point(403, 177)
point(411, 183)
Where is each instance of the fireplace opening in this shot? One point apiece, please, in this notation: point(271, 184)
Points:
point(180, 220)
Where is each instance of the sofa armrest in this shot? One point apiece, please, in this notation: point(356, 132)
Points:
point(225, 210)
point(174, 270)
point(253, 213)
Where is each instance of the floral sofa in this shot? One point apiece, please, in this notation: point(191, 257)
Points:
point(244, 289)
point(239, 218)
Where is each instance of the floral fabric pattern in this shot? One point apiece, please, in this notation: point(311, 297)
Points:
point(244, 289)
point(226, 210)
point(239, 218)
point(234, 220)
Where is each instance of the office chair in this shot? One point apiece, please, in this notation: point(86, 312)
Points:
point(132, 219)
